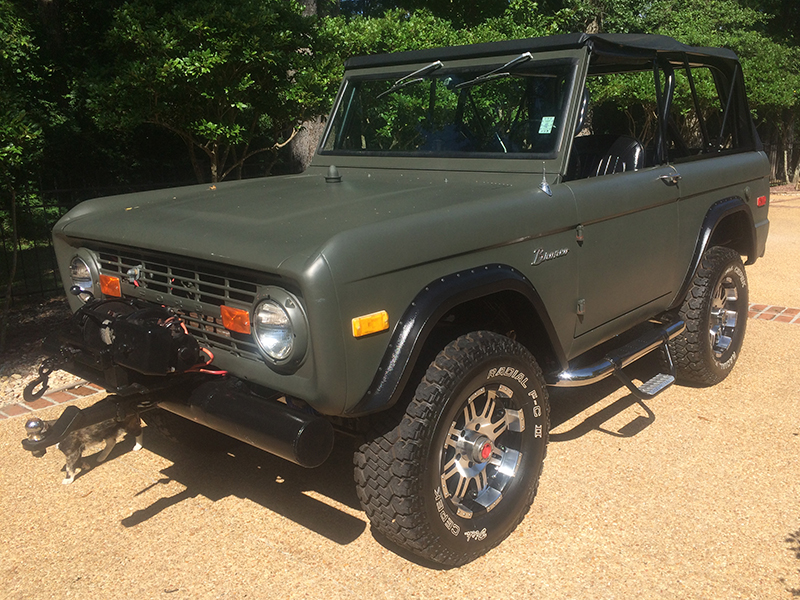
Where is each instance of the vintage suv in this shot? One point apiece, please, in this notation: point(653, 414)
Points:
point(479, 223)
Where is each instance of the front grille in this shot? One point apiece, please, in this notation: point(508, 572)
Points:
point(210, 333)
point(195, 289)
point(179, 278)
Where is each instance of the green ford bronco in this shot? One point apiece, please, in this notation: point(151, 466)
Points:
point(479, 223)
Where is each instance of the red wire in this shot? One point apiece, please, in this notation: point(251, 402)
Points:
point(198, 368)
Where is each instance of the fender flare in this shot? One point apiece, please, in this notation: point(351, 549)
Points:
point(425, 311)
point(718, 211)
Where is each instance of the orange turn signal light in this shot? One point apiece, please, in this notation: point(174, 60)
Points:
point(372, 323)
point(110, 286)
point(235, 319)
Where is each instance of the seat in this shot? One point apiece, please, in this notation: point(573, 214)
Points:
point(625, 154)
point(595, 155)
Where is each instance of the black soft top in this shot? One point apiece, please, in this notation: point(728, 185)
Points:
point(606, 48)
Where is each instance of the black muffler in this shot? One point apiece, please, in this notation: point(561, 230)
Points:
point(302, 438)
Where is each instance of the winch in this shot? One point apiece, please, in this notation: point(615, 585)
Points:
point(124, 345)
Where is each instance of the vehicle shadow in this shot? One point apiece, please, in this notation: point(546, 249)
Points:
point(568, 403)
point(319, 499)
point(275, 484)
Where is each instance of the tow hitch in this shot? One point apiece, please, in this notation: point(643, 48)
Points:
point(43, 434)
point(130, 347)
point(224, 404)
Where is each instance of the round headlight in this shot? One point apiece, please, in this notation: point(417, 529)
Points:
point(79, 270)
point(81, 274)
point(280, 328)
point(273, 330)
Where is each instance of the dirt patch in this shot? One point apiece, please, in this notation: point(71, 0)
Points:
point(783, 189)
point(29, 323)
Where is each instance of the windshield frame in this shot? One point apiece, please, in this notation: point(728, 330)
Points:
point(571, 60)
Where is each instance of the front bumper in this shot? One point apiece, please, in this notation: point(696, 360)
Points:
point(145, 356)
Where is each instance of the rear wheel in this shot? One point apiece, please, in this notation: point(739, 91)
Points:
point(715, 312)
point(460, 470)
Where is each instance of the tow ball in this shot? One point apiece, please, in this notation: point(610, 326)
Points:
point(36, 430)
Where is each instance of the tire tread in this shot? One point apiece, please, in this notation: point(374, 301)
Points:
point(689, 350)
point(394, 505)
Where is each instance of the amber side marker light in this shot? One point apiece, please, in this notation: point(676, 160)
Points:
point(235, 319)
point(372, 323)
point(110, 286)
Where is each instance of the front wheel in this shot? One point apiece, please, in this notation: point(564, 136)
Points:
point(459, 472)
point(715, 311)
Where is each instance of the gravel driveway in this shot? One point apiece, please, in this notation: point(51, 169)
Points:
point(691, 495)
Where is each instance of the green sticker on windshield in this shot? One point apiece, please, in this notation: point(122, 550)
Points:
point(547, 125)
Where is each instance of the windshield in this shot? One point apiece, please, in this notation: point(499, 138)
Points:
point(454, 112)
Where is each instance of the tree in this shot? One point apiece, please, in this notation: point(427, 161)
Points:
point(771, 66)
point(460, 14)
point(398, 30)
point(230, 80)
point(782, 18)
point(21, 112)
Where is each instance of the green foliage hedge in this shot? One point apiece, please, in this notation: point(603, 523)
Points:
point(95, 92)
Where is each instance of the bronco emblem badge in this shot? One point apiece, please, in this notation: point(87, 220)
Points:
point(540, 255)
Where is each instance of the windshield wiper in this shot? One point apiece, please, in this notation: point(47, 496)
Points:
point(498, 72)
point(414, 77)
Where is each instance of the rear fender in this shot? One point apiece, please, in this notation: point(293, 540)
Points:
point(726, 218)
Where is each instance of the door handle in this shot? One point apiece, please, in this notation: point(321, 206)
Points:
point(671, 179)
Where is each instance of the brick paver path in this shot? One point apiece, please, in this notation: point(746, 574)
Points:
point(782, 314)
point(54, 397)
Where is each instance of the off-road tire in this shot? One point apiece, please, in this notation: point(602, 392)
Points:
point(711, 313)
point(408, 476)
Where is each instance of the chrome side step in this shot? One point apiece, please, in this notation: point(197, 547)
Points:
point(653, 386)
point(619, 358)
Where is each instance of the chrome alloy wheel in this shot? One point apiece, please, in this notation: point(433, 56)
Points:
point(724, 316)
point(481, 453)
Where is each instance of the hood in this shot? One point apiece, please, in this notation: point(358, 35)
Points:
point(261, 223)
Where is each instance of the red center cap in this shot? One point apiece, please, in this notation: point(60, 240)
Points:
point(486, 451)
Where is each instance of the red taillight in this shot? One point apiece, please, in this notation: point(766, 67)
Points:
point(761, 201)
point(235, 319)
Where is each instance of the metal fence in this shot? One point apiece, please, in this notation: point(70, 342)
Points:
point(37, 274)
